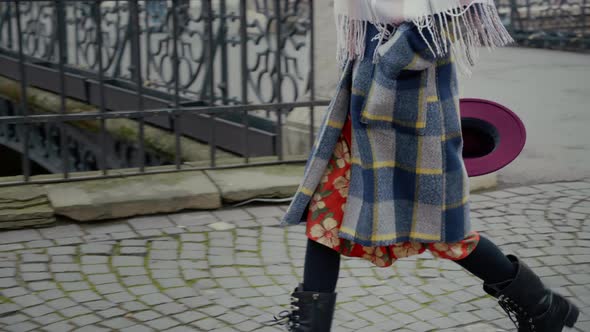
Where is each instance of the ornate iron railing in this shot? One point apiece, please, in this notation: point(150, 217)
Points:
point(255, 42)
point(558, 24)
point(202, 69)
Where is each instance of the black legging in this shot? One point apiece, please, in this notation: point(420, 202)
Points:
point(322, 265)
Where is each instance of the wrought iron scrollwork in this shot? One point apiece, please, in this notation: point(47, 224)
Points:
point(157, 40)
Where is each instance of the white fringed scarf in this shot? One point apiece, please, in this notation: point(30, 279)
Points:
point(466, 24)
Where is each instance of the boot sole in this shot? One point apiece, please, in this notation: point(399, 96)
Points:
point(572, 315)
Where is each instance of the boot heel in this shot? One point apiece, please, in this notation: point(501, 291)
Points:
point(572, 316)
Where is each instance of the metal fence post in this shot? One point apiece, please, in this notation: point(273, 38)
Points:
point(244, 76)
point(210, 80)
point(175, 116)
point(136, 74)
point(279, 78)
point(24, 132)
point(99, 56)
point(62, 59)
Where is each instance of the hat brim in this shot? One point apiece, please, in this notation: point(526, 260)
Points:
point(511, 135)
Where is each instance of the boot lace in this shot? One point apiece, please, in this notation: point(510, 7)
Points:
point(288, 318)
point(517, 314)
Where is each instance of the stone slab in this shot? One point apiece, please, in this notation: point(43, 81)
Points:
point(18, 204)
point(242, 184)
point(21, 193)
point(131, 196)
point(38, 222)
point(29, 212)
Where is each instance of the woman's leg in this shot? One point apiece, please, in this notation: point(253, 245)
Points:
point(519, 290)
point(322, 265)
point(488, 263)
point(313, 302)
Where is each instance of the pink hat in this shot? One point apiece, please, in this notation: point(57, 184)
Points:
point(493, 136)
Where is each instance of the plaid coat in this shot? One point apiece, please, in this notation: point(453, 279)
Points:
point(408, 180)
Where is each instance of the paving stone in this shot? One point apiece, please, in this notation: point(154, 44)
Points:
point(22, 327)
point(208, 324)
point(47, 319)
point(112, 312)
point(120, 297)
point(6, 308)
point(99, 305)
point(161, 324)
point(13, 292)
point(23, 235)
point(12, 319)
point(170, 308)
point(163, 254)
point(91, 259)
point(464, 317)
point(142, 290)
point(137, 328)
point(74, 311)
point(154, 299)
point(27, 300)
point(84, 296)
point(136, 280)
point(68, 240)
point(188, 316)
point(133, 250)
point(35, 276)
point(61, 303)
point(133, 306)
point(7, 282)
point(11, 247)
point(61, 250)
point(100, 279)
point(95, 248)
point(118, 323)
point(171, 282)
point(150, 222)
point(62, 259)
point(86, 320)
point(180, 292)
point(131, 271)
point(37, 311)
point(126, 261)
point(95, 269)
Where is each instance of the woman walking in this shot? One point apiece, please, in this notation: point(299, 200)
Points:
point(386, 178)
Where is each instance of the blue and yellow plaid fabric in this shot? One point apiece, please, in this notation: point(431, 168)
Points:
point(408, 179)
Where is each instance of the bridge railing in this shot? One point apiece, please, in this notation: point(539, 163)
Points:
point(220, 72)
point(556, 24)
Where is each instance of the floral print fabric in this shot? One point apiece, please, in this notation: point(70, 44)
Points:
point(326, 212)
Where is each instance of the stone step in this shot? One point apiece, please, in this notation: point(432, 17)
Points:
point(25, 206)
point(18, 204)
point(21, 193)
point(31, 212)
point(17, 224)
point(134, 195)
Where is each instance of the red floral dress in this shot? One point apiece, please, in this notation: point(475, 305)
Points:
point(326, 212)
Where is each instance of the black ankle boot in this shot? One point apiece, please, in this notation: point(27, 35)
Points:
point(310, 311)
point(535, 308)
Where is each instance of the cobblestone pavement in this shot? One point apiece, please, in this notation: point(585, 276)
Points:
point(230, 270)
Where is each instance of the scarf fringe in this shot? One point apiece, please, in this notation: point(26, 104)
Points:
point(459, 30)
